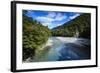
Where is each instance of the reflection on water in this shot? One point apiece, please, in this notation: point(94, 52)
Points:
point(61, 48)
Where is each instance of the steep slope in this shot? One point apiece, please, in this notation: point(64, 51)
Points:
point(80, 27)
point(34, 36)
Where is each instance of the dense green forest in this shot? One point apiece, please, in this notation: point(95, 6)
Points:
point(80, 25)
point(35, 35)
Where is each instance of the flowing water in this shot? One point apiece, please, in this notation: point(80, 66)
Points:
point(64, 48)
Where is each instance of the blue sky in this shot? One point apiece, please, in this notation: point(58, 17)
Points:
point(50, 18)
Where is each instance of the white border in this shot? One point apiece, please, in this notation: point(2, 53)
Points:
point(36, 65)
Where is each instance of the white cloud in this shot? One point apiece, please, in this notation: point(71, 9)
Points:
point(44, 19)
point(51, 14)
point(74, 16)
point(60, 17)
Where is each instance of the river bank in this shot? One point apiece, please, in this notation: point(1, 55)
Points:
point(63, 48)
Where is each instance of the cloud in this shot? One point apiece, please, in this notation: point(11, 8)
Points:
point(44, 19)
point(56, 16)
point(51, 17)
point(74, 16)
point(51, 14)
point(60, 17)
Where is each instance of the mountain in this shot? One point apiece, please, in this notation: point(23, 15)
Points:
point(80, 27)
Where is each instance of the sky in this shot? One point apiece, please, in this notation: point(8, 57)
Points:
point(50, 18)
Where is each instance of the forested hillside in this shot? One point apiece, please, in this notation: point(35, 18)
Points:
point(34, 36)
point(79, 26)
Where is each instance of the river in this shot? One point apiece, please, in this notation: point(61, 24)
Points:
point(63, 48)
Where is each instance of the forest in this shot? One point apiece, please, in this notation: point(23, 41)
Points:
point(35, 35)
point(80, 25)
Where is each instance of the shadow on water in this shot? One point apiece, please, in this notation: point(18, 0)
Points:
point(72, 51)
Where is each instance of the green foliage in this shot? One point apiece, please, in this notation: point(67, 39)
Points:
point(80, 24)
point(34, 35)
